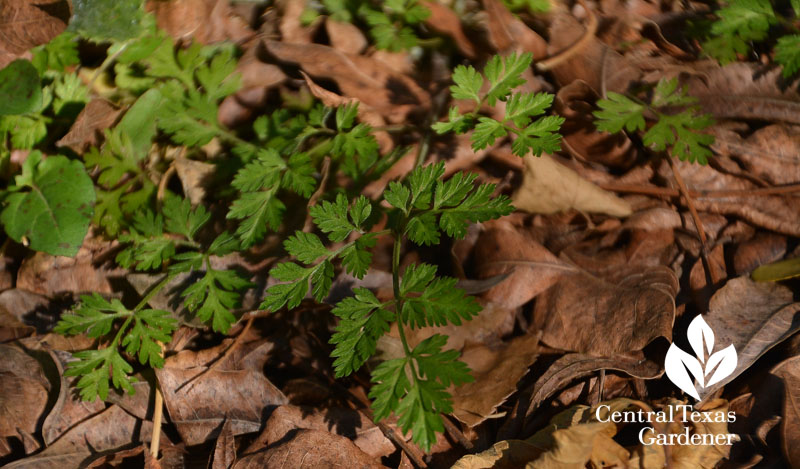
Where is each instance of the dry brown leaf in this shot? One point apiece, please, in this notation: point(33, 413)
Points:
point(88, 271)
point(760, 250)
point(597, 64)
point(286, 419)
point(25, 23)
point(234, 390)
point(87, 130)
point(194, 177)
point(444, 20)
point(110, 430)
point(770, 153)
point(753, 317)
point(23, 393)
point(550, 187)
point(310, 449)
point(345, 37)
point(617, 311)
point(392, 94)
point(507, 33)
point(789, 372)
point(12, 328)
point(575, 102)
point(497, 370)
point(206, 21)
point(504, 248)
point(225, 448)
point(69, 409)
point(366, 113)
point(291, 28)
point(745, 91)
point(573, 366)
point(773, 212)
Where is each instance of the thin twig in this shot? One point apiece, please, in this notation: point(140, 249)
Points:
point(326, 165)
point(162, 184)
point(456, 433)
point(158, 413)
point(710, 277)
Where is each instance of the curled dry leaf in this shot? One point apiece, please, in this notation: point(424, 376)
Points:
point(235, 389)
point(287, 419)
point(508, 33)
point(444, 20)
point(69, 409)
point(573, 366)
point(392, 94)
point(497, 370)
point(87, 130)
point(762, 249)
point(310, 449)
point(112, 429)
point(753, 317)
point(550, 187)
point(25, 24)
point(617, 311)
point(595, 63)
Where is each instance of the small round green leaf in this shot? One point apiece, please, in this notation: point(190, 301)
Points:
point(53, 207)
point(20, 88)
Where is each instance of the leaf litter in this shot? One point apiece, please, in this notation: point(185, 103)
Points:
point(609, 255)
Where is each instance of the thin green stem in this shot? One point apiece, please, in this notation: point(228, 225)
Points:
point(146, 299)
point(398, 298)
point(154, 291)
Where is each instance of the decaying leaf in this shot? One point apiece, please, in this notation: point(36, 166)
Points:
point(497, 370)
point(619, 310)
point(87, 130)
point(235, 390)
point(110, 430)
point(307, 449)
point(391, 93)
point(69, 409)
point(789, 372)
point(23, 393)
point(25, 24)
point(287, 419)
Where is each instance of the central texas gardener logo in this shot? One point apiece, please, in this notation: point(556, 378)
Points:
point(718, 365)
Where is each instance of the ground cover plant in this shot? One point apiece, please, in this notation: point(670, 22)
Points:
point(398, 234)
